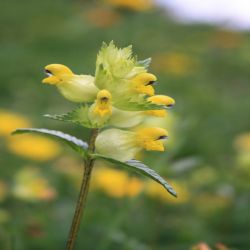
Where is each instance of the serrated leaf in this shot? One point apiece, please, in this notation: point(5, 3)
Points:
point(78, 116)
point(140, 168)
point(144, 63)
point(75, 143)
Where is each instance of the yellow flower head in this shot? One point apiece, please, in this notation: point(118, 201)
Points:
point(103, 103)
point(143, 83)
point(160, 100)
point(151, 139)
point(57, 73)
point(10, 121)
point(34, 147)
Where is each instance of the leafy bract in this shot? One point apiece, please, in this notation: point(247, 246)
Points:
point(144, 63)
point(75, 143)
point(113, 65)
point(78, 116)
point(140, 168)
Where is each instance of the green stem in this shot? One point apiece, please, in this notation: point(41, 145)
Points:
point(88, 166)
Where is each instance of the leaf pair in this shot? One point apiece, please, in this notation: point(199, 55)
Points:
point(82, 148)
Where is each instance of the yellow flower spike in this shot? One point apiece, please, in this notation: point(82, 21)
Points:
point(143, 82)
point(101, 110)
point(75, 88)
point(151, 139)
point(160, 100)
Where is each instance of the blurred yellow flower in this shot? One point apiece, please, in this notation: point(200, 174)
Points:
point(134, 187)
point(9, 121)
point(242, 142)
point(102, 17)
point(30, 185)
point(116, 183)
point(173, 63)
point(201, 246)
point(155, 190)
point(137, 5)
point(34, 147)
point(3, 190)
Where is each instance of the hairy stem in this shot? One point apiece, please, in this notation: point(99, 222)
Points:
point(88, 165)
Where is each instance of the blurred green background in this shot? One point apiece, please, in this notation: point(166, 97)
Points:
point(206, 70)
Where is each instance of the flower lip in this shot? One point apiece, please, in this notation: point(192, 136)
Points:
point(152, 83)
point(170, 105)
point(104, 99)
point(48, 72)
point(162, 137)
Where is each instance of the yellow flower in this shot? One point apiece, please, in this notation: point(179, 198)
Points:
point(30, 185)
point(34, 147)
point(137, 5)
point(76, 88)
point(101, 110)
point(161, 100)
point(155, 190)
point(167, 122)
point(116, 183)
point(143, 83)
point(10, 121)
point(3, 190)
point(124, 145)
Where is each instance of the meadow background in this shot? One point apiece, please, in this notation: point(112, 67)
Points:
point(206, 70)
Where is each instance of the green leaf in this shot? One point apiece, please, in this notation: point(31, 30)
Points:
point(75, 143)
point(140, 168)
point(78, 116)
